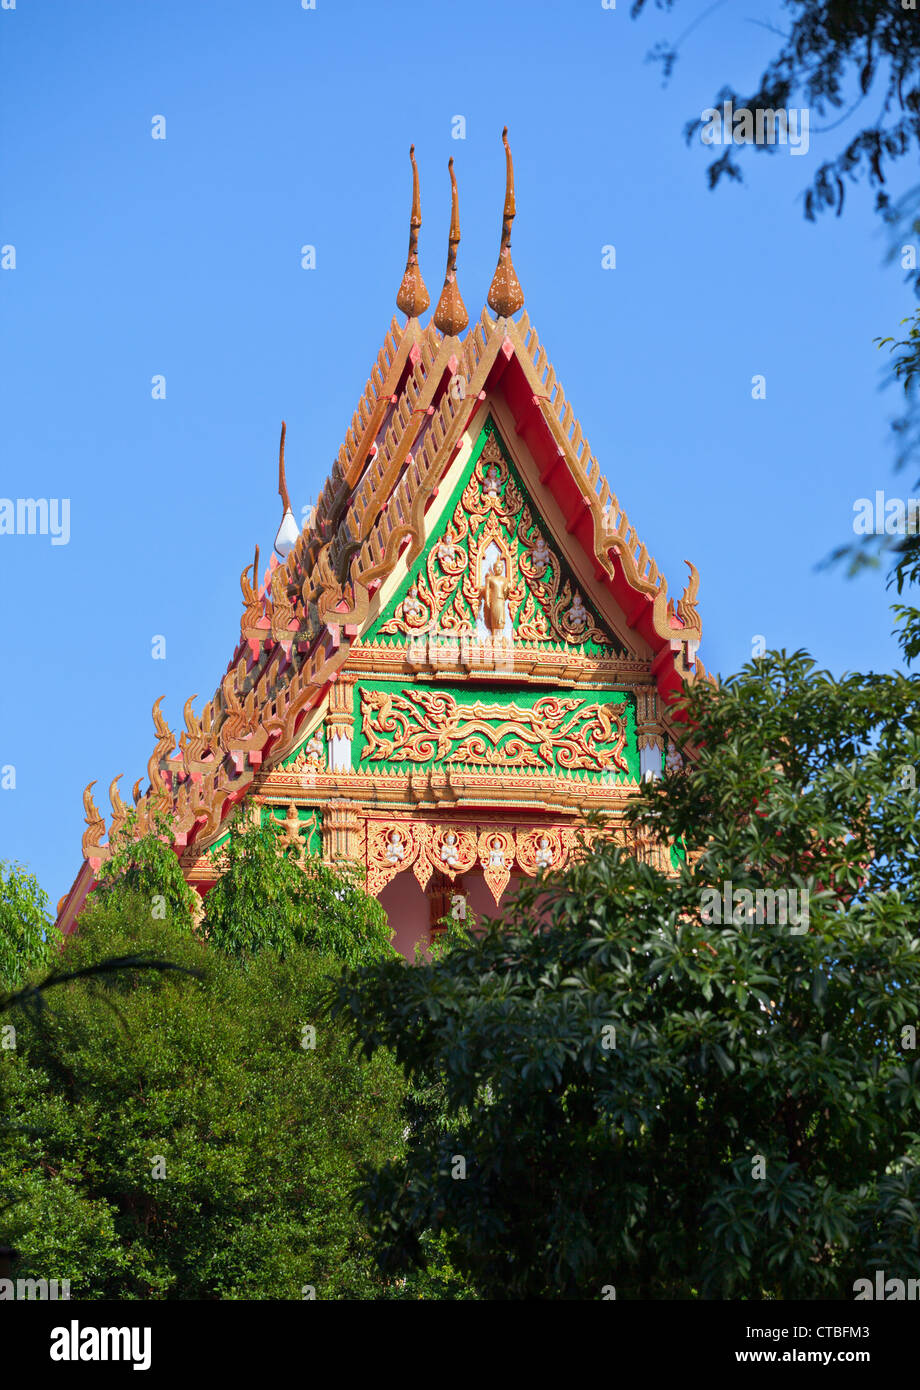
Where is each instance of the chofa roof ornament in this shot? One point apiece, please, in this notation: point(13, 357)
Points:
point(450, 316)
point(288, 531)
point(505, 293)
point(413, 298)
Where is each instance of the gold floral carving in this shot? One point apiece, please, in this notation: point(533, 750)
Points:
point(390, 849)
point(541, 850)
point(496, 855)
point(491, 513)
point(453, 850)
point(552, 613)
point(423, 867)
point(569, 732)
point(484, 491)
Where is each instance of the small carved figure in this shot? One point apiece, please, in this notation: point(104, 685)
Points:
point(544, 855)
point(540, 554)
point(412, 607)
point(496, 853)
point(396, 849)
point(314, 750)
point(673, 761)
point(577, 615)
point(490, 483)
point(449, 850)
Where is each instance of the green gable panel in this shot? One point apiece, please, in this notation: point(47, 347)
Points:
point(490, 515)
point(588, 735)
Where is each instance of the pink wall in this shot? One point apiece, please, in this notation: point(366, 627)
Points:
point(408, 910)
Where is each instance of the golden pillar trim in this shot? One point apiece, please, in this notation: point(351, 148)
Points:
point(343, 831)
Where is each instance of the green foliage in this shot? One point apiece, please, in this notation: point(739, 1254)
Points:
point(906, 428)
point(260, 1135)
point(147, 871)
point(906, 365)
point(28, 939)
point(832, 56)
point(631, 1158)
point(904, 549)
point(264, 899)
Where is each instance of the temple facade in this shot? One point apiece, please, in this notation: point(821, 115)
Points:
point(465, 651)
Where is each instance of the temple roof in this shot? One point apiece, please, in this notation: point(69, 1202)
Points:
point(427, 389)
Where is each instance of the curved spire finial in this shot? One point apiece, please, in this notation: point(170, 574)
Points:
point(505, 293)
point(95, 825)
point(282, 481)
point(413, 297)
point(119, 809)
point(92, 815)
point(288, 531)
point(160, 726)
point(451, 316)
point(191, 724)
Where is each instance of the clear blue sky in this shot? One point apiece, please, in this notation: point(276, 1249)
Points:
point(181, 256)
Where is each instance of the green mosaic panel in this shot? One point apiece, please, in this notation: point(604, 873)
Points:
point(585, 735)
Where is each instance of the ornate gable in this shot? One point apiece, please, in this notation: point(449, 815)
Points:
point(493, 572)
point(458, 657)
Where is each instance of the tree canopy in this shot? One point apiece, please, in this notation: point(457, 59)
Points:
point(183, 1138)
point(182, 1121)
point(28, 938)
point(265, 898)
point(835, 57)
point(696, 1085)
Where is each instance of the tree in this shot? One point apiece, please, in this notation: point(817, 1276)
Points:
point(834, 56)
point(668, 1084)
point(192, 1138)
point(147, 867)
point(28, 938)
point(902, 546)
point(264, 899)
point(905, 370)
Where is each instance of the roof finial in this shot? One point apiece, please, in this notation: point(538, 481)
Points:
point(287, 535)
point(451, 316)
point(282, 481)
point(505, 293)
point(413, 297)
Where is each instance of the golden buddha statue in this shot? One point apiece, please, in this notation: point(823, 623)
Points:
point(495, 591)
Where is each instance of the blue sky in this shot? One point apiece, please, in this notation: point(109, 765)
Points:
point(181, 257)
